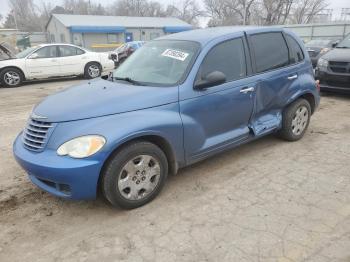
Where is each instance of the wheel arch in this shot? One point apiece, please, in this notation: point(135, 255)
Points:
point(16, 67)
point(156, 139)
point(93, 61)
point(308, 96)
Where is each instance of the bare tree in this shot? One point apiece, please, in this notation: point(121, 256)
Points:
point(188, 11)
point(25, 15)
point(263, 12)
point(306, 10)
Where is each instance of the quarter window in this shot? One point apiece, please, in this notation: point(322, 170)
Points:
point(70, 51)
point(228, 58)
point(270, 50)
point(296, 53)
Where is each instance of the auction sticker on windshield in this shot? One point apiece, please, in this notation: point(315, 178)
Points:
point(175, 54)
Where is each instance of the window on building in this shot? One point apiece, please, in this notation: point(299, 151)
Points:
point(112, 38)
point(63, 38)
point(70, 50)
point(228, 58)
point(153, 35)
point(270, 50)
point(296, 53)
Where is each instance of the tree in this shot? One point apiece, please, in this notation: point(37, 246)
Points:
point(26, 14)
point(307, 10)
point(263, 12)
point(188, 11)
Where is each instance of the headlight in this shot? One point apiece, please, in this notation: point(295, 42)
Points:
point(324, 50)
point(81, 147)
point(322, 63)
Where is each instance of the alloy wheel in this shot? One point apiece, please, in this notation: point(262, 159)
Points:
point(139, 177)
point(12, 78)
point(300, 120)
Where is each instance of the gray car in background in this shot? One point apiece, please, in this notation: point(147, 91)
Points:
point(318, 47)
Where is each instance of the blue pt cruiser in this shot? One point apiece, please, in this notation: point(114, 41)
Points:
point(177, 100)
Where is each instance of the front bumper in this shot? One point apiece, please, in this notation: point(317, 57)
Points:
point(334, 82)
point(60, 176)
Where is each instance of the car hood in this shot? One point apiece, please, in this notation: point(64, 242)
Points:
point(338, 55)
point(101, 97)
point(9, 62)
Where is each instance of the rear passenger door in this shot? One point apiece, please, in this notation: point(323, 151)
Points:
point(72, 60)
point(276, 78)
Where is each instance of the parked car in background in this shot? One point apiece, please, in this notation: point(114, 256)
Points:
point(51, 61)
point(318, 47)
point(333, 68)
point(177, 100)
point(124, 51)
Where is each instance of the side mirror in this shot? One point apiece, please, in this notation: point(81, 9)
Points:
point(212, 79)
point(33, 56)
point(334, 44)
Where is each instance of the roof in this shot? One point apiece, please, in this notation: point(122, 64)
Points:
point(205, 35)
point(119, 21)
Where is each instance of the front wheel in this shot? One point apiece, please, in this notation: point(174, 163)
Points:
point(295, 120)
point(135, 175)
point(92, 70)
point(11, 77)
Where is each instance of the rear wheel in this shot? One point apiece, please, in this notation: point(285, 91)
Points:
point(295, 120)
point(92, 70)
point(135, 175)
point(11, 77)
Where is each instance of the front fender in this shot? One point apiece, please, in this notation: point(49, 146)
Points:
point(163, 121)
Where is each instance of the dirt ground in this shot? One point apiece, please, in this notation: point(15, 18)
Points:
point(269, 200)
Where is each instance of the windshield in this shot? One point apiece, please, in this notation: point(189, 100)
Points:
point(318, 43)
point(345, 43)
point(26, 52)
point(161, 63)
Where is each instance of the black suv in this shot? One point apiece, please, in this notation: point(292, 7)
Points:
point(333, 68)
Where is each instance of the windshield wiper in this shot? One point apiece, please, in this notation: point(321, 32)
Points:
point(128, 79)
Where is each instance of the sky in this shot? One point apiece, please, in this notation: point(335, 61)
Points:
point(333, 4)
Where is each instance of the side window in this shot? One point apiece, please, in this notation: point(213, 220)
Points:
point(296, 53)
point(270, 50)
point(228, 58)
point(70, 51)
point(47, 52)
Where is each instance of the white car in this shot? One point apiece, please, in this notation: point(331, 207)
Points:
point(53, 60)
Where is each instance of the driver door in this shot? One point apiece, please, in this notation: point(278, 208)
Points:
point(218, 116)
point(43, 63)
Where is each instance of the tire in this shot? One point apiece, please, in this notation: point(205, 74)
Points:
point(295, 120)
point(92, 70)
point(11, 77)
point(134, 175)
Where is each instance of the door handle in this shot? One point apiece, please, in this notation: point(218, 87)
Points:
point(247, 90)
point(292, 77)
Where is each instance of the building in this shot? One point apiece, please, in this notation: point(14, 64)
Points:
point(107, 32)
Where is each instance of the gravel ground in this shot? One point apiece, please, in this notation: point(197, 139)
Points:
point(269, 200)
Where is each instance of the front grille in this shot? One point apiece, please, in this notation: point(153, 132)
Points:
point(35, 135)
point(339, 67)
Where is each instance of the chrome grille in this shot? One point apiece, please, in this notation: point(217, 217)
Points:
point(36, 134)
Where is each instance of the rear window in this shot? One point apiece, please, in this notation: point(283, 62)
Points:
point(296, 53)
point(270, 50)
